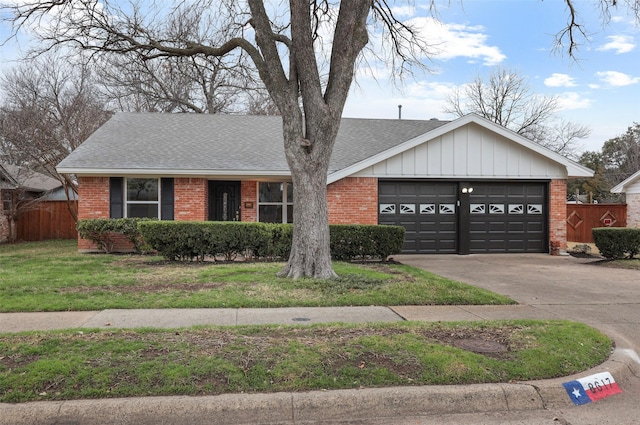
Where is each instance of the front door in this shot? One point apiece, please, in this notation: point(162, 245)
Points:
point(224, 200)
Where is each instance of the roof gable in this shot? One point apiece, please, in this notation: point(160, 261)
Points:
point(470, 147)
point(629, 185)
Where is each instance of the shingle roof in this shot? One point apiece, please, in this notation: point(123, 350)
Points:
point(16, 177)
point(219, 144)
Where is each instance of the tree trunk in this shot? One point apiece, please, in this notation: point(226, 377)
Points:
point(310, 252)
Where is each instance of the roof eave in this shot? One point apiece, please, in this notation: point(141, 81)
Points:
point(80, 171)
point(621, 187)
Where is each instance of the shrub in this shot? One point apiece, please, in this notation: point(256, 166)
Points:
point(103, 231)
point(188, 240)
point(361, 242)
point(616, 242)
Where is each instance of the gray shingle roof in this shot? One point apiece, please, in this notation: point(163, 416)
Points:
point(219, 144)
point(16, 177)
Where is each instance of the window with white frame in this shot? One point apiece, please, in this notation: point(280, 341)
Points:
point(142, 197)
point(275, 202)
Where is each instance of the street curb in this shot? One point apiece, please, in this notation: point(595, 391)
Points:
point(295, 408)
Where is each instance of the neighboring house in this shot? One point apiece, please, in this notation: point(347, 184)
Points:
point(631, 188)
point(20, 190)
point(464, 186)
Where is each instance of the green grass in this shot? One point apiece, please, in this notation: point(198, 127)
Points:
point(53, 276)
point(215, 360)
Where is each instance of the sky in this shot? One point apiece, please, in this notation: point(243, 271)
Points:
point(600, 88)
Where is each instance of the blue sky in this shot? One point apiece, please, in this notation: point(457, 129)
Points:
point(600, 90)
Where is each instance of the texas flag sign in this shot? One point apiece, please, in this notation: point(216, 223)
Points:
point(591, 388)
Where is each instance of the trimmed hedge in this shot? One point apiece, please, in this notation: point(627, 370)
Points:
point(102, 231)
point(617, 242)
point(362, 242)
point(188, 240)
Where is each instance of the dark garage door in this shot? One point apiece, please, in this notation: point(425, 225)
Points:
point(492, 217)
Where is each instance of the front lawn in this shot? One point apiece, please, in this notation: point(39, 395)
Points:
point(76, 364)
point(53, 276)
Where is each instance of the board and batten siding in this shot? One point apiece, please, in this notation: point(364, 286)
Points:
point(470, 151)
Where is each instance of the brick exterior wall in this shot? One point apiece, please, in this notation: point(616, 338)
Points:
point(249, 193)
point(633, 209)
point(191, 199)
point(350, 200)
point(93, 202)
point(353, 200)
point(558, 214)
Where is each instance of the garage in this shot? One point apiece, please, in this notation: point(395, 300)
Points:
point(448, 217)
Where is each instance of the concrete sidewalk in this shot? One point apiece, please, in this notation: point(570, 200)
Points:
point(177, 318)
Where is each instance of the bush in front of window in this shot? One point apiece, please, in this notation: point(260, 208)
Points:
point(195, 240)
point(104, 232)
point(617, 242)
point(189, 240)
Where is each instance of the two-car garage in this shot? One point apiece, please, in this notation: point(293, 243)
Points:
point(467, 217)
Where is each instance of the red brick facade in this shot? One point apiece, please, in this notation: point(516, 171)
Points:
point(353, 200)
point(249, 200)
point(191, 199)
point(350, 200)
point(558, 213)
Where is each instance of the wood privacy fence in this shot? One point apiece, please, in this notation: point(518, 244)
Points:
point(581, 218)
point(49, 220)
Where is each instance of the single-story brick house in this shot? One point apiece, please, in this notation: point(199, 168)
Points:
point(631, 188)
point(462, 186)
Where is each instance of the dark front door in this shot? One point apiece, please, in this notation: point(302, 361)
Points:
point(224, 200)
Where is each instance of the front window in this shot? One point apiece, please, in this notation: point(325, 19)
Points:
point(275, 202)
point(143, 196)
point(7, 203)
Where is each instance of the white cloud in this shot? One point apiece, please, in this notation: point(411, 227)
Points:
point(403, 11)
point(619, 44)
point(559, 80)
point(573, 100)
point(451, 41)
point(617, 79)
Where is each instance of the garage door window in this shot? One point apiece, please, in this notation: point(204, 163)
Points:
point(427, 208)
point(496, 209)
point(387, 208)
point(407, 208)
point(534, 209)
point(516, 209)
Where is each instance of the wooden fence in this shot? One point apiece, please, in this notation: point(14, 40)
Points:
point(50, 220)
point(581, 218)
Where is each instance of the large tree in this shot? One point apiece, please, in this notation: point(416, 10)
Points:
point(505, 97)
point(285, 44)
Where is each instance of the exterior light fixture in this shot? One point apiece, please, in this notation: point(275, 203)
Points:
point(467, 189)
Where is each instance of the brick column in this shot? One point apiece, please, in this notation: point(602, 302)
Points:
point(249, 194)
point(633, 209)
point(558, 214)
point(353, 200)
point(191, 199)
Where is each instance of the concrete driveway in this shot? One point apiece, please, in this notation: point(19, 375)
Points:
point(561, 286)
